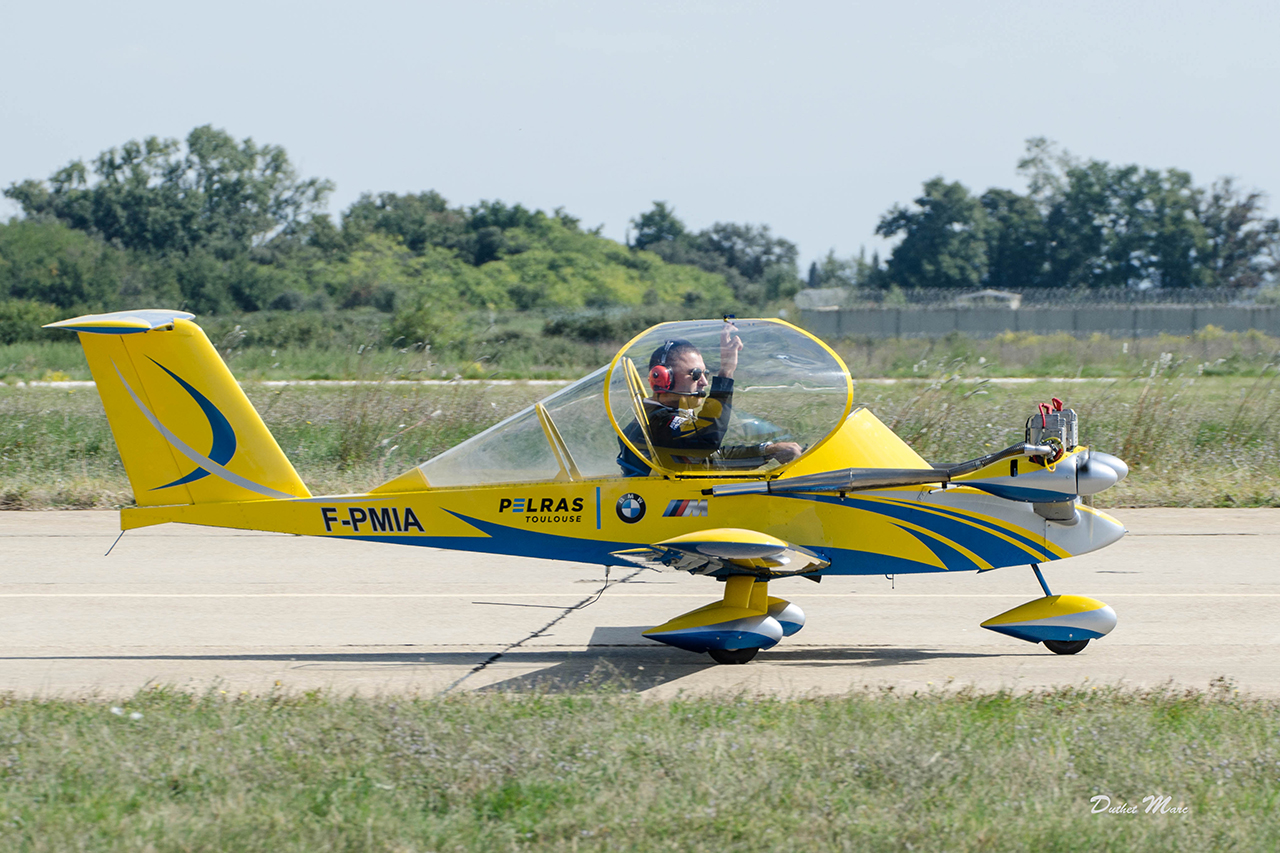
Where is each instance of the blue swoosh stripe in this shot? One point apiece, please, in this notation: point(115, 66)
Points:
point(515, 541)
point(520, 542)
point(224, 437)
point(979, 540)
point(951, 557)
point(971, 535)
point(1017, 493)
point(193, 454)
point(1038, 547)
point(501, 539)
point(851, 562)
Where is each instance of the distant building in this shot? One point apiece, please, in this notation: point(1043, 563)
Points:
point(822, 299)
point(990, 299)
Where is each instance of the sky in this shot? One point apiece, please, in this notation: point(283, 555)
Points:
point(811, 117)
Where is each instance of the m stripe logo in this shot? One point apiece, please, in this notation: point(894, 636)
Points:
point(686, 509)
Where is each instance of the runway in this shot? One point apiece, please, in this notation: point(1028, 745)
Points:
point(1197, 593)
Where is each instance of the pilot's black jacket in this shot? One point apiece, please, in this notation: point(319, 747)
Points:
point(700, 432)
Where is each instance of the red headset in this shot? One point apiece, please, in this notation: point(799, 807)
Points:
point(660, 375)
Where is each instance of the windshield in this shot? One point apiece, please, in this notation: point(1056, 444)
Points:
point(567, 436)
point(708, 397)
point(787, 394)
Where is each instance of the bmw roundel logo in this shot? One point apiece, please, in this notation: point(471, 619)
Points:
point(630, 507)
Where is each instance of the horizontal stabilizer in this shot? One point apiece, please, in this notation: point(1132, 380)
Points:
point(123, 322)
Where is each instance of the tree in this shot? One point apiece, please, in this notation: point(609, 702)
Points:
point(943, 239)
point(51, 263)
point(752, 250)
point(1242, 245)
point(659, 225)
point(1016, 241)
point(420, 220)
point(154, 197)
point(1082, 224)
point(485, 232)
point(755, 264)
point(1116, 226)
point(1176, 240)
point(832, 271)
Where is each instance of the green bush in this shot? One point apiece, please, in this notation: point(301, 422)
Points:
point(51, 263)
point(281, 329)
point(21, 319)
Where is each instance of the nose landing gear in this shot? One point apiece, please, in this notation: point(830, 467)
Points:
point(1065, 647)
point(1064, 623)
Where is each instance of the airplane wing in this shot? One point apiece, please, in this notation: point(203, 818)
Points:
point(728, 550)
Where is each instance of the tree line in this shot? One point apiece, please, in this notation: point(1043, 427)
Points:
point(218, 225)
point(1081, 224)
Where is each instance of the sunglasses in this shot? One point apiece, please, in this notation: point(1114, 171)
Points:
point(698, 373)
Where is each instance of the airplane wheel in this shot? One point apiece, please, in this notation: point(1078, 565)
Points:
point(1065, 647)
point(735, 655)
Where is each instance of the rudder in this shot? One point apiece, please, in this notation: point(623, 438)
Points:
point(185, 430)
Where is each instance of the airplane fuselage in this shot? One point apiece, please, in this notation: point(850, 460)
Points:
point(889, 531)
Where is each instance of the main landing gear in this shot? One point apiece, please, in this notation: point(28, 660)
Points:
point(735, 628)
point(732, 655)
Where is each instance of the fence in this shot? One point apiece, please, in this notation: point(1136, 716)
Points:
point(985, 322)
point(1038, 296)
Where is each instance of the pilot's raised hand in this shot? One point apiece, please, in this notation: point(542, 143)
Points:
point(782, 451)
point(730, 344)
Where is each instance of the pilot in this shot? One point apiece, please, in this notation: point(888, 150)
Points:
point(688, 412)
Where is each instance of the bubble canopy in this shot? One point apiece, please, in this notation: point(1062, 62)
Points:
point(787, 387)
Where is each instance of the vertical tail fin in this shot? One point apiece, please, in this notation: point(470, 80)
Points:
point(186, 432)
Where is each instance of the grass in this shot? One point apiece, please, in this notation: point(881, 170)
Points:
point(64, 360)
point(515, 348)
point(56, 449)
point(167, 770)
point(1195, 417)
point(1025, 354)
point(346, 345)
point(1192, 440)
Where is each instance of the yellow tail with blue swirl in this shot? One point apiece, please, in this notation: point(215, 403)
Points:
point(187, 433)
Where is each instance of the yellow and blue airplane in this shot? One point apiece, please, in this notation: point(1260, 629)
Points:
point(764, 471)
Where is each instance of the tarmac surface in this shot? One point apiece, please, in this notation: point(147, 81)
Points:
point(1197, 592)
